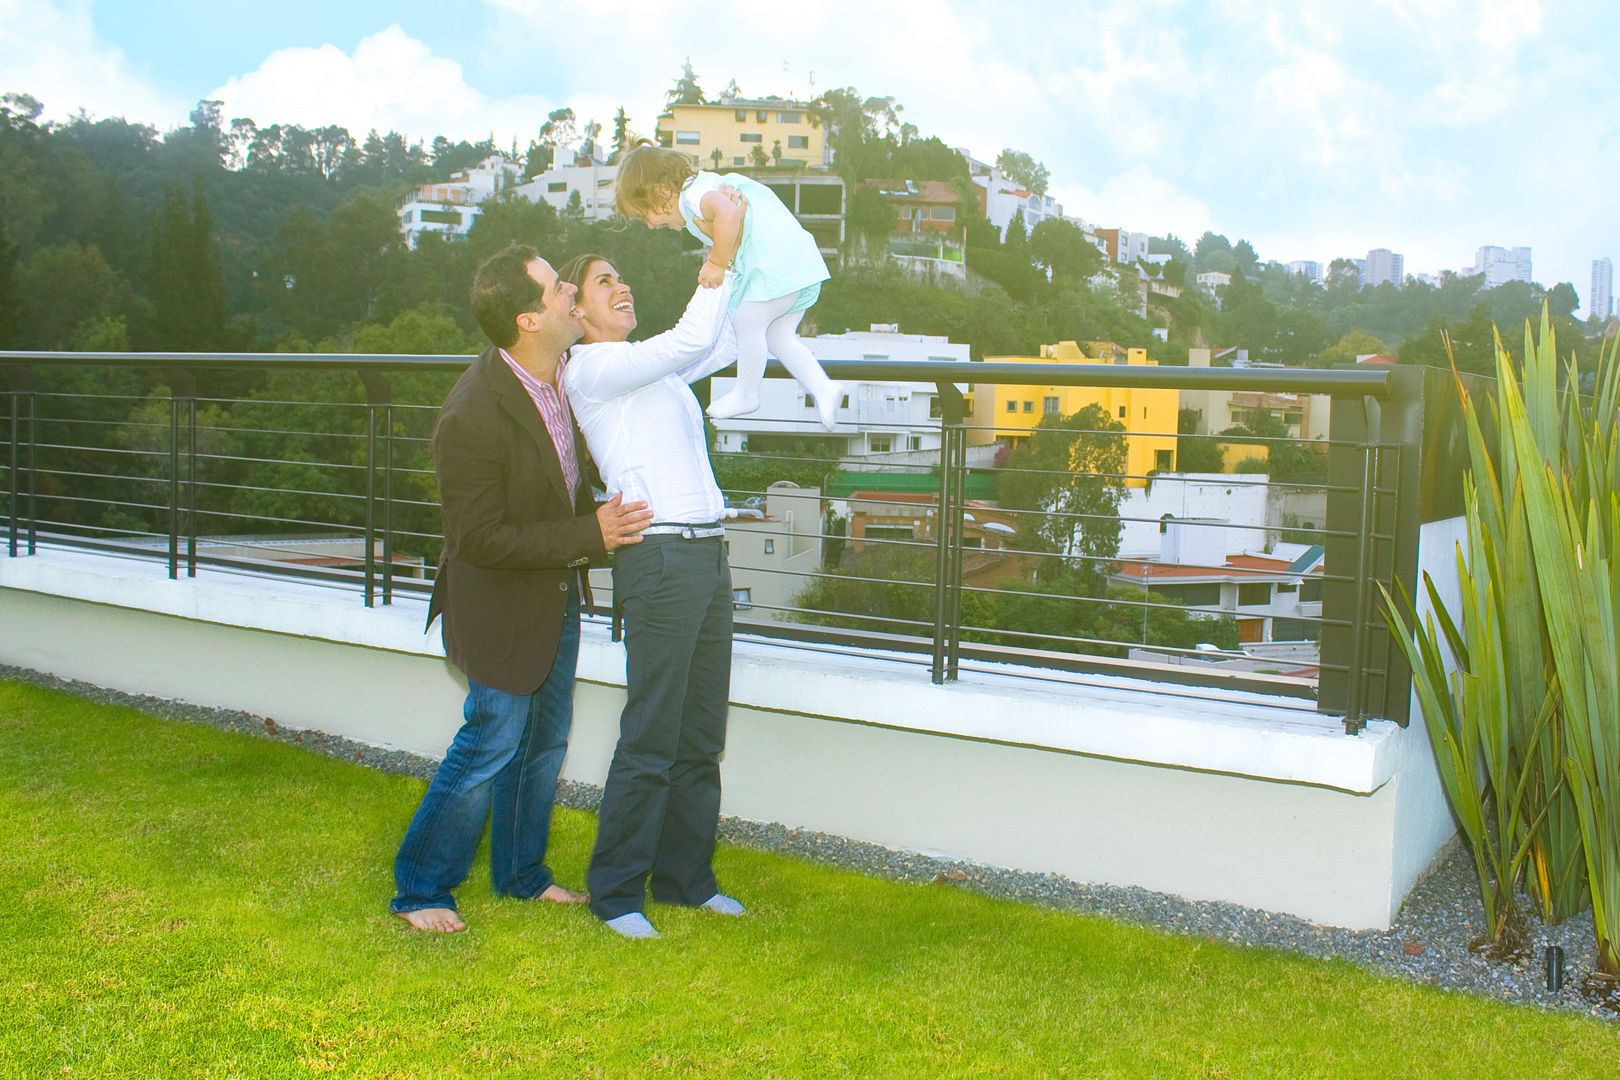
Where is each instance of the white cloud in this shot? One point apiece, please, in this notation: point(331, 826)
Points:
point(390, 81)
point(52, 52)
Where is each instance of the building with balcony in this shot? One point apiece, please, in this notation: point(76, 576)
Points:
point(877, 421)
point(1007, 414)
point(588, 183)
point(451, 208)
point(735, 132)
point(928, 239)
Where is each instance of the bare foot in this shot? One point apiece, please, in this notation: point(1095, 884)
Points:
point(438, 920)
point(559, 895)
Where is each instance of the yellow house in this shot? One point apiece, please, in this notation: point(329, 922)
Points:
point(779, 128)
point(1009, 413)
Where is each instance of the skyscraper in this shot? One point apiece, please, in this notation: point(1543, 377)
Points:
point(1600, 301)
point(1384, 265)
point(1502, 265)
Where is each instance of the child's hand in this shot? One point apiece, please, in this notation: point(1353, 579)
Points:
point(711, 276)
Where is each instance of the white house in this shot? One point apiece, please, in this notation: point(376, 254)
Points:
point(452, 207)
point(874, 417)
point(591, 180)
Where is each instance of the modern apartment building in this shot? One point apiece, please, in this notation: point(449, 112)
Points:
point(588, 178)
point(1384, 265)
point(1307, 268)
point(452, 207)
point(1600, 301)
point(1501, 265)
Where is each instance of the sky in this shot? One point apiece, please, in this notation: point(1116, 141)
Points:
point(1313, 130)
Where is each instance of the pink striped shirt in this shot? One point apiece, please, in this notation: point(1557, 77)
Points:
point(553, 406)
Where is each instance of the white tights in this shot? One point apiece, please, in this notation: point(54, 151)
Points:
point(771, 326)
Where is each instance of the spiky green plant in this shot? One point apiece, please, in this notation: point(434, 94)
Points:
point(1526, 728)
point(1572, 505)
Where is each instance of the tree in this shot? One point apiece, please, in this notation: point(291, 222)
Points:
point(1347, 348)
point(1196, 452)
point(1061, 246)
point(1070, 476)
point(61, 288)
point(621, 135)
point(1562, 300)
point(861, 146)
point(1169, 245)
point(776, 152)
point(871, 216)
point(686, 90)
point(1019, 166)
point(559, 134)
point(10, 310)
point(758, 156)
point(1213, 252)
point(1248, 263)
point(183, 279)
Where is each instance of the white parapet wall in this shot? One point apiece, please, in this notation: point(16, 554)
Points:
point(1209, 795)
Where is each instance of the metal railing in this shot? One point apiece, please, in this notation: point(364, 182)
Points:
point(317, 466)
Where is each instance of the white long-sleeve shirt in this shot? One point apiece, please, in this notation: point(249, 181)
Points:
point(641, 420)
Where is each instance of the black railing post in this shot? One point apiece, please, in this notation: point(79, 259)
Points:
point(20, 388)
point(948, 533)
point(182, 399)
point(379, 403)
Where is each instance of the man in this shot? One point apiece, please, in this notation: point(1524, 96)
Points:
point(518, 527)
point(661, 802)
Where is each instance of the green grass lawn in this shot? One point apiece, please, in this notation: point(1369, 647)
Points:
point(177, 901)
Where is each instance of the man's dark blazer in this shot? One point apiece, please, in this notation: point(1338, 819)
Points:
point(513, 542)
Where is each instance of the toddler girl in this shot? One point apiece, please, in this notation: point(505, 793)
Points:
point(779, 270)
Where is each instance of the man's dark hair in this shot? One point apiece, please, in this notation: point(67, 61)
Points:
point(502, 290)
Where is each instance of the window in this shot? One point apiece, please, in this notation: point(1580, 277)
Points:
point(881, 444)
point(1208, 595)
point(751, 136)
point(604, 183)
point(1144, 412)
point(1164, 460)
point(762, 116)
point(1012, 406)
point(1254, 594)
point(798, 142)
point(844, 404)
point(891, 532)
point(913, 442)
point(1122, 412)
point(441, 217)
point(789, 118)
point(1029, 406)
point(742, 599)
point(1283, 588)
point(742, 116)
point(560, 185)
point(943, 213)
point(687, 138)
point(739, 161)
point(1049, 405)
point(1310, 592)
point(770, 547)
point(936, 411)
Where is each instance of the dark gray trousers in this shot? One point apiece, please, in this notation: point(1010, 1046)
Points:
point(661, 803)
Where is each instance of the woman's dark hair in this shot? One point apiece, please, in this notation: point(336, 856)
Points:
point(574, 270)
point(502, 290)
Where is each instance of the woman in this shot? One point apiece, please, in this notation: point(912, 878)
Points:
point(661, 803)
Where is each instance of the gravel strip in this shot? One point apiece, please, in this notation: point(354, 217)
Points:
point(1427, 944)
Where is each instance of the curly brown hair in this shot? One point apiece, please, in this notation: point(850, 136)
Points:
point(650, 178)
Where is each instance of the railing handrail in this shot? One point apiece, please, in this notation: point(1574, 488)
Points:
point(1136, 376)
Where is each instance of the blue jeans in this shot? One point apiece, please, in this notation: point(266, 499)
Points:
point(502, 766)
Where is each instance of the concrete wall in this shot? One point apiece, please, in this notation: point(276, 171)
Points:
point(1235, 797)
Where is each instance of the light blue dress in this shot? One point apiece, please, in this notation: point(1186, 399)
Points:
point(776, 257)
